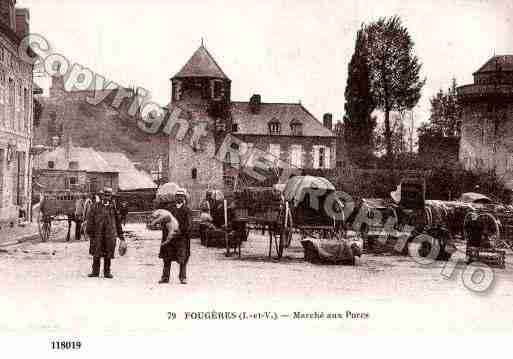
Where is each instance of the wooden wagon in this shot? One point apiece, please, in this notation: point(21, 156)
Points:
point(261, 209)
point(306, 206)
point(55, 208)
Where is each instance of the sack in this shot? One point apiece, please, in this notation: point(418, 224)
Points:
point(122, 248)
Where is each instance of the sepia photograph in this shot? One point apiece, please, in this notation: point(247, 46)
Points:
point(203, 175)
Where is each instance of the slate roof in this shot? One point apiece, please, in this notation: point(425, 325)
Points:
point(504, 62)
point(201, 64)
point(130, 178)
point(87, 158)
point(285, 113)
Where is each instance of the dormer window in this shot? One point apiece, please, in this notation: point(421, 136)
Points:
point(296, 128)
point(73, 165)
point(274, 127)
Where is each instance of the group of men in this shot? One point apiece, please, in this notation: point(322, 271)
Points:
point(104, 226)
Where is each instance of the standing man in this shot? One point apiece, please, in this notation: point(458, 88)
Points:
point(179, 248)
point(123, 211)
point(103, 226)
point(79, 215)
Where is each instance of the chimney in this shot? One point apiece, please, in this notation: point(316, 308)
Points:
point(7, 14)
point(254, 103)
point(327, 121)
point(22, 22)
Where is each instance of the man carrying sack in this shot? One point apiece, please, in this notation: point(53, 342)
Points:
point(103, 226)
point(176, 246)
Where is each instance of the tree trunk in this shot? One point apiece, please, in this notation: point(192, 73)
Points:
point(388, 138)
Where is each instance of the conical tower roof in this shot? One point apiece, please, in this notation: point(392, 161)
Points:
point(201, 64)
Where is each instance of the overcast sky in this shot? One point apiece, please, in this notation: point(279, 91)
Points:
point(287, 51)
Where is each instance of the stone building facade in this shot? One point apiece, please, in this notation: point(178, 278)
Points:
point(281, 132)
point(487, 119)
point(16, 96)
point(80, 169)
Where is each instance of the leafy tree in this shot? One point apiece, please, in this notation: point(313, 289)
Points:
point(445, 117)
point(399, 135)
point(394, 70)
point(358, 122)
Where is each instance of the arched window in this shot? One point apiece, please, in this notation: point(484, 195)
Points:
point(274, 127)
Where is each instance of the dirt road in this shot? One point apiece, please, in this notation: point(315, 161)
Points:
point(45, 289)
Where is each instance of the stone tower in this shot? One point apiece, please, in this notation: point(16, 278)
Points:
point(202, 92)
point(487, 119)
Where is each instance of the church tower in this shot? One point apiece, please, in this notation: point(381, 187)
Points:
point(202, 92)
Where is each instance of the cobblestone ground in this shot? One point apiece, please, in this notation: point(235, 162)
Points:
point(45, 289)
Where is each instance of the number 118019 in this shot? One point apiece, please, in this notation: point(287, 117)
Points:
point(66, 345)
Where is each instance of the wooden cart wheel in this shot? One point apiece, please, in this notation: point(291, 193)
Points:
point(285, 235)
point(44, 224)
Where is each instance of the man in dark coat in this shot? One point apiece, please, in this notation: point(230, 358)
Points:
point(474, 229)
point(179, 248)
point(123, 212)
point(103, 226)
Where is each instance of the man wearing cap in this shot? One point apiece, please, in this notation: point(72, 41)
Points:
point(103, 226)
point(178, 249)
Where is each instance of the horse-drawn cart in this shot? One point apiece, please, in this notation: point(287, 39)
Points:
point(56, 208)
point(261, 209)
point(306, 206)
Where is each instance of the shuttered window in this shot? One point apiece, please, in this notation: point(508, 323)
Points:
point(321, 157)
point(274, 153)
point(296, 154)
point(327, 159)
point(315, 156)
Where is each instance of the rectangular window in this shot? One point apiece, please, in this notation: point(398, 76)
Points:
point(177, 91)
point(321, 157)
point(26, 110)
point(73, 181)
point(11, 112)
point(21, 178)
point(327, 159)
point(217, 90)
point(3, 100)
point(274, 153)
point(296, 154)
